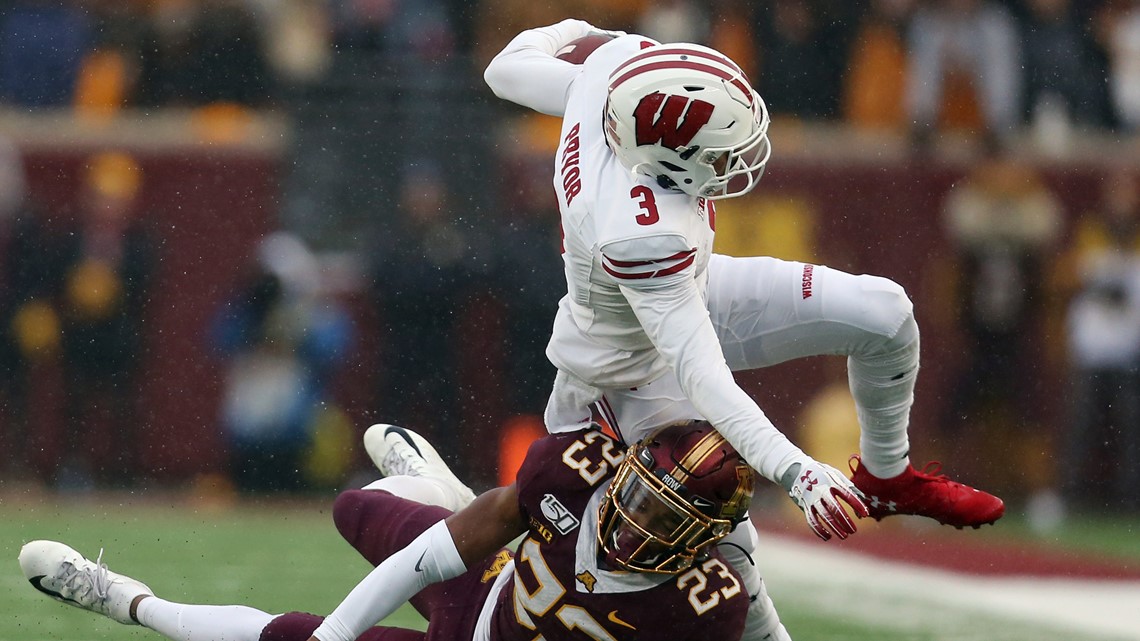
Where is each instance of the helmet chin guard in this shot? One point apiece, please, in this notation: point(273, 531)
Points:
point(686, 116)
point(677, 492)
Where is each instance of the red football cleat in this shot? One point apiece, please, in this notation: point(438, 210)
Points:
point(926, 493)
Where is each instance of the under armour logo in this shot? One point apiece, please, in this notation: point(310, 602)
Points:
point(889, 505)
point(808, 481)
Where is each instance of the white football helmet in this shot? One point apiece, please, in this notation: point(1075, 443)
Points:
point(686, 116)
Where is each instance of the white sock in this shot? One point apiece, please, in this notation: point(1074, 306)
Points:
point(183, 622)
point(420, 489)
point(882, 384)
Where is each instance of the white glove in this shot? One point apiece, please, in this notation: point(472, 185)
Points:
point(569, 30)
point(820, 491)
point(608, 32)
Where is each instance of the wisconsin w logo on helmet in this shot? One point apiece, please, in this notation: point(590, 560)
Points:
point(674, 127)
point(685, 115)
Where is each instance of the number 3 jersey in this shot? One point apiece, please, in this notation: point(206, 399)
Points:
point(620, 231)
point(558, 592)
point(636, 255)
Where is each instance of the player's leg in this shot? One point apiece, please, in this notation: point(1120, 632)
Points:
point(569, 407)
point(635, 413)
point(378, 523)
point(767, 311)
point(413, 469)
point(299, 626)
point(60, 572)
point(417, 491)
point(631, 412)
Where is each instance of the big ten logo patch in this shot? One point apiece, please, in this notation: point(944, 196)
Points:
point(541, 530)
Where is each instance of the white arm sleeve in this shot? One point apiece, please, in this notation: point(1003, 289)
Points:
point(675, 318)
point(527, 73)
point(430, 558)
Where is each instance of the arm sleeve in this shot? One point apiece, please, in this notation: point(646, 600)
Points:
point(674, 317)
point(527, 73)
point(429, 558)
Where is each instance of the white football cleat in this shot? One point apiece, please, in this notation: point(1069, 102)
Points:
point(398, 451)
point(68, 577)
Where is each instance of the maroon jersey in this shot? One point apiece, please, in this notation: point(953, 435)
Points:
point(558, 592)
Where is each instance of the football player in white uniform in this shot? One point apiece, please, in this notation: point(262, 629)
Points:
point(653, 323)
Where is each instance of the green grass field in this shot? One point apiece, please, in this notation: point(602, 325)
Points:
point(273, 558)
point(280, 557)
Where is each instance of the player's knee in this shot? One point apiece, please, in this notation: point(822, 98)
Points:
point(349, 513)
point(886, 306)
point(294, 626)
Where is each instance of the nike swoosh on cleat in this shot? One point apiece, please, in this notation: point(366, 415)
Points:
point(402, 433)
point(614, 618)
point(37, 583)
point(419, 562)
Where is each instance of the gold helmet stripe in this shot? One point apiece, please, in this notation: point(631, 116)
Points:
point(706, 446)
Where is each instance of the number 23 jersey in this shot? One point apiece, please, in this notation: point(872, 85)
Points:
point(558, 591)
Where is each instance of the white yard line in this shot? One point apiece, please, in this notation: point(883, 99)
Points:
point(900, 595)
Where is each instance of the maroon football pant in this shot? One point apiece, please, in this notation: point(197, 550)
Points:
point(378, 524)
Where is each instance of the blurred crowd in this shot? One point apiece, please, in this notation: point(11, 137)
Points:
point(911, 64)
point(453, 337)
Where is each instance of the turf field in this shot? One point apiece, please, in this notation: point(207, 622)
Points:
point(285, 556)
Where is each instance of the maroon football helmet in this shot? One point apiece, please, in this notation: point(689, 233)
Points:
point(677, 492)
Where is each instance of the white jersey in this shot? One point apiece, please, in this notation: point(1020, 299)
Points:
point(636, 255)
point(619, 231)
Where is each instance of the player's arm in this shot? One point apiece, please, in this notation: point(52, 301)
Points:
point(442, 552)
point(664, 296)
point(527, 72)
point(673, 314)
point(490, 522)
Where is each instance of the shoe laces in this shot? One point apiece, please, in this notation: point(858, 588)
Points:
point(932, 472)
point(84, 582)
point(403, 461)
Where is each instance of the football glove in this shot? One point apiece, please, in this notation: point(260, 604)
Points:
point(820, 491)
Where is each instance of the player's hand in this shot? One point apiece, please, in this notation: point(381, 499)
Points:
point(821, 491)
point(609, 32)
point(571, 29)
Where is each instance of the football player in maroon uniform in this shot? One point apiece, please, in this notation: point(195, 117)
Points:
point(616, 545)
